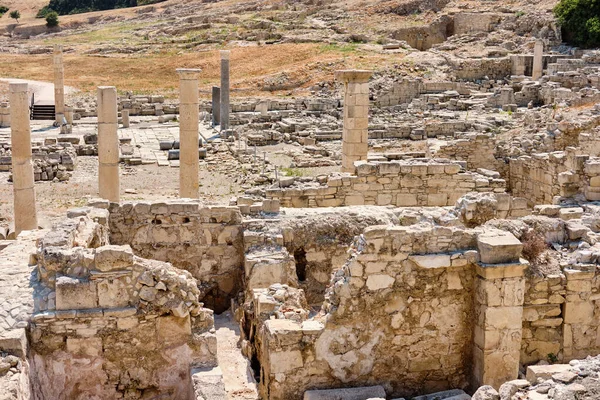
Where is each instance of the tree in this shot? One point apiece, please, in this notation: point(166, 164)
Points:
point(15, 15)
point(580, 21)
point(52, 19)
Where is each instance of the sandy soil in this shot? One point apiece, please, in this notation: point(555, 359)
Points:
point(237, 375)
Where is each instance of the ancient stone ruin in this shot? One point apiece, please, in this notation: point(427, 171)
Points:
point(424, 239)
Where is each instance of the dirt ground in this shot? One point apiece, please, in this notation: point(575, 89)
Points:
point(139, 183)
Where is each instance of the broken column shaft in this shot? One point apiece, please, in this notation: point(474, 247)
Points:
point(216, 106)
point(108, 144)
point(224, 115)
point(356, 117)
point(538, 60)
point(188, 133)
point(59, 85)
point(125, 118)
point(22, 168)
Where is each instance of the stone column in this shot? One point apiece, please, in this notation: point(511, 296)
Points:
point(188, 133)
point(356, 117)
point(59, 85)
point(125, 118)
point(4, 115)
point(22, 168)
point(216, 106)
point(69, 115)
point(499, 296)
point(108, 144)
point(538, 60)
point(224, 116)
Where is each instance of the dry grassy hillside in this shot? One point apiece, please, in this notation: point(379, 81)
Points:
point(278, 45)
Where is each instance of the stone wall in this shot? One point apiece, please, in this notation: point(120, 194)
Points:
point(541, 177)
point(206, 241)
point(423, 37)
point(404, 309)
point(108, 324)
point(467, 23)
point(492, 68)
point(477, 149)
point(401, 183)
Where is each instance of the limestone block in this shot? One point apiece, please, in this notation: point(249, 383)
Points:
point(75, 294)
point(498, 247)
point(545, 371)
point(579, 313)
point(406, 200)
point(380, 281)
point(208, 384)
point(356, 393)
point(446, 394)
point(113, 293)
point(285, 361)
point(432, 260)
point(112, 257)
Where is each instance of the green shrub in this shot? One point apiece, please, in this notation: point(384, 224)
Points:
point(580, 21)
point(3, 10)
point(43, 12)
point(15, 15)
point(52, 19)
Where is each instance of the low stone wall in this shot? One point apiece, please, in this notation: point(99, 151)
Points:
point(108, 324)
point(401, 183)
point(50, 162)
point(206, 241)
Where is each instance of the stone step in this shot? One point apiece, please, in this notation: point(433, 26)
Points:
point(454, 394)
point(357, 393)
point(208, 384)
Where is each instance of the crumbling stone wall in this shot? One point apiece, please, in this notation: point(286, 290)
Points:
point(108, 324)
point(206, 241)
point(492, 68)
point(383, 309)
point(418, 298)
point(400, 183)
point(542, 318)
point(540, 177)
point(477, 149)
point(423, 37)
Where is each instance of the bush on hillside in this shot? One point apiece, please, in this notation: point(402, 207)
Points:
point(43, 12)
point(580, 21)
point(3, 10)
point(15, 15)
point(64, 7)
point(52, 19)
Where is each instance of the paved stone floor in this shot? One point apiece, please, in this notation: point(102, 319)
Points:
point(145, 134)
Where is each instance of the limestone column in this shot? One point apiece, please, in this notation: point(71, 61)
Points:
point(22, 168)
point(125, 118)
point(216, 106)
point(538, 60)
point(224, 115)
point(356, 117)
point(4, 115)
point(108, 144)
point(188, 133)
point(499, 295)
point(59, 85)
